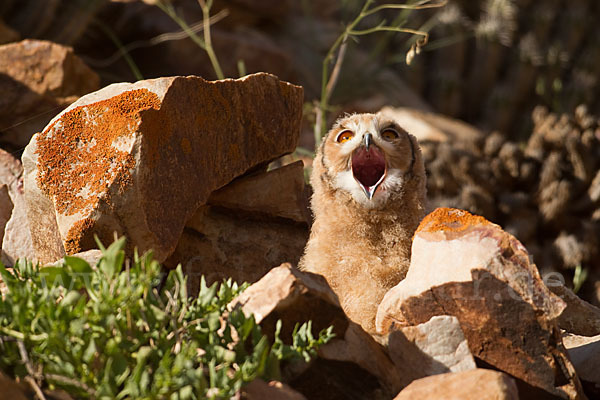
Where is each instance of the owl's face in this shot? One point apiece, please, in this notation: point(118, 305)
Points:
point(367, 155)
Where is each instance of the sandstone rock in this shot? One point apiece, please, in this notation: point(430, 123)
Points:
point(249, 226)
point(220, 243)
point(37, 80)
point(279, 193)
point(351, 366)
point(436, 346)
point(259, 390)
point(579, 317)
point(5, 209)
point(16, 242)
point(90, 256)
point(429, 126)
point(465, 266)
point(584, 353)
point(12, 390)
point(140, 159)
point(10, 170)
point(281, 287)
point(478, 384)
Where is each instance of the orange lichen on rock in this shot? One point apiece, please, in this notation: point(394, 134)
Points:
point(77, 155)
point(76, 235)
point(450, 220)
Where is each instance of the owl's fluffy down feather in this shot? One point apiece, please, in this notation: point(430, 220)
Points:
point(361, 245)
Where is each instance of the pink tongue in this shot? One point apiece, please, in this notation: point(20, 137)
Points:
point(368, 166)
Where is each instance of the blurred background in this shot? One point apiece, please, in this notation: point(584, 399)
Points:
point(504, 97)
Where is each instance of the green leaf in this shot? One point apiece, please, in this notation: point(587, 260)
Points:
point(186, 392)
point(112, 258)
point(206, 294)
point(214, 321)
point(120, 369)
point(78, 265)
point(6, 276)
point(90, 351)
point(70, 298)
point(159, 314)
point(54, 276)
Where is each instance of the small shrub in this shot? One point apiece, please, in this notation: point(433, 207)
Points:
point(124, 330)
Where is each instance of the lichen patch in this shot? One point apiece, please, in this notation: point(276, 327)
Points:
point(76, 235)
point(82, 154)
point(450, 220)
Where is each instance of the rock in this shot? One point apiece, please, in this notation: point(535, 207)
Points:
point(429, 126)
point(436, 346)
point(37, 80)
point(90, 256)
point(478, 384)
point(5, 209)
point(352, 365)
point(10, 170)
point(278, 193)
point(140, 159)
point(584, 353)
point(579, 317)
point(465, 266)
point(16, 242)
point(259, 390)
point(249, 226)
point(12, 390)
point(220, 243)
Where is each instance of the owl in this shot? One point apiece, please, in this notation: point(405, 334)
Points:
point(368, 182)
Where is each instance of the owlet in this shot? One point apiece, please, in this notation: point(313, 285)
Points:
point(368, 198)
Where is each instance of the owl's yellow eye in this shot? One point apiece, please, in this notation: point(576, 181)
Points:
point(344, 136)
point(389, 134)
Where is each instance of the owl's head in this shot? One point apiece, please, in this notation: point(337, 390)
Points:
point(368, 156)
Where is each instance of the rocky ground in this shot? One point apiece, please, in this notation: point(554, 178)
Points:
point(185, 167)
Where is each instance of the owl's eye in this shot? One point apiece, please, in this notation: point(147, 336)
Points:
point(389, 134)
point(344, 136)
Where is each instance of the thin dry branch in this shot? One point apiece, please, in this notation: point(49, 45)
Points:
point(31, 378)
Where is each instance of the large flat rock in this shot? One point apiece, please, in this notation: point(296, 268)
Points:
point(478, 384)
point(465, 266)
point(139, 159)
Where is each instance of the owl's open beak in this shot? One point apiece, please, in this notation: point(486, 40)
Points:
point(367, 141)
point(368, 166)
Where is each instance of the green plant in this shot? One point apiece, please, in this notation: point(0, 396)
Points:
point(124, 330)
point(204, 43)
point(332, 63)
point(579, 278)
